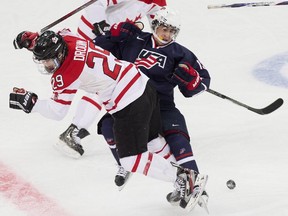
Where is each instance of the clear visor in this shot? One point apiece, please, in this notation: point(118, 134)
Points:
point(47, 66)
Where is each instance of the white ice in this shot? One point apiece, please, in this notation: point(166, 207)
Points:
point(229, 141)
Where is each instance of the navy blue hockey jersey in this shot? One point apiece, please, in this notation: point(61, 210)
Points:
point(158, 63)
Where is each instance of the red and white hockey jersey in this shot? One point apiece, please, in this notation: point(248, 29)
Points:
point(114, 11)
point(94, 70)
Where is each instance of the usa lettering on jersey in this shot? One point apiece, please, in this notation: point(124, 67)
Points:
point(149, 59)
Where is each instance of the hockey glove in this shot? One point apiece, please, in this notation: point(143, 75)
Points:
point(123, 30)
point(25, 39)
point(22, 99)
point(185, 75)
point(101, 28)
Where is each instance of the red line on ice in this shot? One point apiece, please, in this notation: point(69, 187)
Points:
point(26, 197)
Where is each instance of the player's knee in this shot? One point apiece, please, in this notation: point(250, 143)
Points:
point(160, 147)
point(106, 128)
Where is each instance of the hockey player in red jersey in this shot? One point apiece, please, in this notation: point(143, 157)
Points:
point(98, 17)
point(125, 92)
point(96, 20)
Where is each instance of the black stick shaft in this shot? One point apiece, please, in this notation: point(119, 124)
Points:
point(249, 4)
point(266, 110)
point(67, 15)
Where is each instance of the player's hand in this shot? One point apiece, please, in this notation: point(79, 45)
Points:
point(22, 99)
point(101, 28)
point(186, 75)
point(123, 31)
point(25, 39)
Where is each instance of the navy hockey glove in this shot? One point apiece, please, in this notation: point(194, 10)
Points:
point(25, 39)
point(123, 30)
point(185, 75)
point(101, 28)
point(22, 99)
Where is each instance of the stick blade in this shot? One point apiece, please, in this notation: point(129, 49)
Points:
point(270, 108)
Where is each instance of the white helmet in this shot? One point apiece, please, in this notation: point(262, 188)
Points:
point(166, 17)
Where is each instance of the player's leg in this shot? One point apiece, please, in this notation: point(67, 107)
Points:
point(176, 134)
point(161, 147)
point(69, 142)
point(133, 126)
point(105, 128)
point(158, 146)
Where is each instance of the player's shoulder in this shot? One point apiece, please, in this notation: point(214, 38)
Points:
point(179, 48)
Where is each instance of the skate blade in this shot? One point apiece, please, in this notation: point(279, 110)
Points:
point(203, 204)
point(66, 150)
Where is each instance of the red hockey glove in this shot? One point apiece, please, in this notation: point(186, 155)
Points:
point(123, 30)
point(25, 39)
point(186, 75)
point(22, 99)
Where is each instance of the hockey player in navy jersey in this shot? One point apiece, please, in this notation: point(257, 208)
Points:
point(168, 65)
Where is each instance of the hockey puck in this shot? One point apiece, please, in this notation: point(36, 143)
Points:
point(231, 184)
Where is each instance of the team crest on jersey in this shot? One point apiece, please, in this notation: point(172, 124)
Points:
point(149, 59)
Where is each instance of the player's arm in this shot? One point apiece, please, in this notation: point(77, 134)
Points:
point(22, 99)
point(50, 109)
point(113, 40)
point(190, 80)
point(123, 31)
point(189, 74)
point(54, 108)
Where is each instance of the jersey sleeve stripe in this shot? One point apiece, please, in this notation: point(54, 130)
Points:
point(69, 91)
point(123, 92)
point(92, 102)
point(63, 102)
point(83, 35)
point(126, 71)
point(87, 22)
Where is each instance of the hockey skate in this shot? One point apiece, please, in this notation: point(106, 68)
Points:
point(189, 188)
point(174, 199)
point(69, 142)
point(122, 177)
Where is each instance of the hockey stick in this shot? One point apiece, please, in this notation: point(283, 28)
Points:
point(266, 110)
point(251, 4)
point(67, 15)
